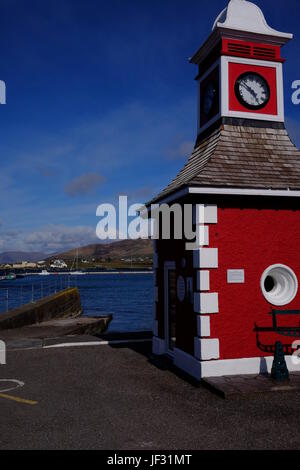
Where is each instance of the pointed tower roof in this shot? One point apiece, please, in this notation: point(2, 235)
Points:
point(245, 16)
point(240, 157)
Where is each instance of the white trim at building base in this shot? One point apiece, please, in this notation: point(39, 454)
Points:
point(158, 346)
point(252, 365)
point(188, 363)
point(219, 368)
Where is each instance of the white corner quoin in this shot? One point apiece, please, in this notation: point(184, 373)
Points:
point(203, 281)
point(206, 302)
point(206, 349)
point(205, 258)
point(203, 326)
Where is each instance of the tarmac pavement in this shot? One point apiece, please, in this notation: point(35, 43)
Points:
point(113, 397)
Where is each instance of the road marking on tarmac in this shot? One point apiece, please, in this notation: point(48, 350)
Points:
point(18, 399)
point(95, 343)
point(16, 384)
point(85, 343)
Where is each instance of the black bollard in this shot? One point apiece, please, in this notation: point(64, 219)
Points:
point(279, 371)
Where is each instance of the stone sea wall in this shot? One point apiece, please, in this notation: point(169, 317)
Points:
point(64, 304)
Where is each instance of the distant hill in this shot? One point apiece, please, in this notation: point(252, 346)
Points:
point(114, 251)
point(18, 256)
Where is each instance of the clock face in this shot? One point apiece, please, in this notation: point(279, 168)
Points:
point(209, 98)
point(252, 90)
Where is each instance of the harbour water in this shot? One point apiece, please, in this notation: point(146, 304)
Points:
point(129, 297)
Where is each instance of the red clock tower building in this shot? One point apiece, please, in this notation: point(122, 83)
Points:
point(212, 304)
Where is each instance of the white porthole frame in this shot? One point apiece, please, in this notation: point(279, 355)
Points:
point(285, 285)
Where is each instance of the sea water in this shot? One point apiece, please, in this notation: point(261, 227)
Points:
point(129, 297)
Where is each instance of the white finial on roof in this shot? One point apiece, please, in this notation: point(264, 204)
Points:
point(242, 15)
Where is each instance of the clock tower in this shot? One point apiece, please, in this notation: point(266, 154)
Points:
point(213, 300)
point(240, 68)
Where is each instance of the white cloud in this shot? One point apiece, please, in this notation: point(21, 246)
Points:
point(139, 194)
point(84, 184)
point(180, 150)
point(48, 239)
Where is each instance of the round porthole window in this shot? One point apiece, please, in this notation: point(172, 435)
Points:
point(279, 284)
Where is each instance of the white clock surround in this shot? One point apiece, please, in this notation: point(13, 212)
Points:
point(225, 61)
point(223, 64)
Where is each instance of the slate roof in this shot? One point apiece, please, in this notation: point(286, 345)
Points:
point(241, 157)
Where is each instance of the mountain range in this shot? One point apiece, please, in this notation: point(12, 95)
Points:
point(19, 256)
point(115, 251)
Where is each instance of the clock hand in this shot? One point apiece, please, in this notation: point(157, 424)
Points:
point(247, 87)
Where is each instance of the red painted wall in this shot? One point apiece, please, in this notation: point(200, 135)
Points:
point(269, 73)
point(251, 239)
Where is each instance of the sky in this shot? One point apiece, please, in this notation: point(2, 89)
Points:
point(101, 101)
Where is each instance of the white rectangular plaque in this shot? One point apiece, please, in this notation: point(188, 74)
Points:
point(236, 276)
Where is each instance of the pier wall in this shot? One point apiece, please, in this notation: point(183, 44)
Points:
point(64, 304)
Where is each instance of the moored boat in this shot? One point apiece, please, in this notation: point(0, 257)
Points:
point(8, 277)
point(77, 272)
point(44, 273)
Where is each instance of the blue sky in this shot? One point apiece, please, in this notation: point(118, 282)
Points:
point(101, 101)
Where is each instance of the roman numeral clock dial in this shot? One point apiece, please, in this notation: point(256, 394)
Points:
point(252, 91)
